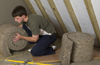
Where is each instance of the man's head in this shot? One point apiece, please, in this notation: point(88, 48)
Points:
point(19, 13)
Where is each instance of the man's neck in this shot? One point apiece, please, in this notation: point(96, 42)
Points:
point(26, 19)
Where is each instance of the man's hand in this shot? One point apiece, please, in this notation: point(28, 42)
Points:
point(34, 38)
point(17, 37)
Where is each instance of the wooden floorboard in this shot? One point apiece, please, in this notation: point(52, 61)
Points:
point(48, 58)
point(55, 57)
point(96, 54)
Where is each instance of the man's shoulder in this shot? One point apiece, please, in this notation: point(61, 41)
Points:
point(33, 18)
point(36, 17)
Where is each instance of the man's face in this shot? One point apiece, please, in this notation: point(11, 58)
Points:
point(19, 19)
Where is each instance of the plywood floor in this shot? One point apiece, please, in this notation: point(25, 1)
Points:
point(48, 58)
point(55, 57)
point(96, 54)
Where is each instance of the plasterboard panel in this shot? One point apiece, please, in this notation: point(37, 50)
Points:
point(96, 7)
point(33, 3)
point(82, 16)
point(65, 15)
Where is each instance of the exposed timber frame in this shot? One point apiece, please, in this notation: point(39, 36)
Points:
point(38, 2)
point(30, 6)
point(93, 18)
point(54, 9)
point(72, 15)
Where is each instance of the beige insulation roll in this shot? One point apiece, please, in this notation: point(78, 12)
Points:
point(82, 47)
point(7, 33)
point(76, 47)
point(66, 49)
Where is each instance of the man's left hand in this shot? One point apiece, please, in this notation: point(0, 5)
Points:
point(17, 37)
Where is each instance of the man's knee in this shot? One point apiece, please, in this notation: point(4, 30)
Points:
point(34, 53)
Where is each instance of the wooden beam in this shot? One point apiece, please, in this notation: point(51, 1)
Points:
point(38, 2)
point(93, 18)
point(72, 15)
point(30, 6)
point(54, 9)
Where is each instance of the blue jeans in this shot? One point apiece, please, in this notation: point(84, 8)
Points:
point(42, 45)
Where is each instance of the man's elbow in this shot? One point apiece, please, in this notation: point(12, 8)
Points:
point(34, 40)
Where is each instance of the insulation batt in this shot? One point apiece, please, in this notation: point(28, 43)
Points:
point(7, 32)
point(66, 49)
point(76, 47)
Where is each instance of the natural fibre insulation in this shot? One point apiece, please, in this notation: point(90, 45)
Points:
point(7, 33)
point(76, 47)
point(82, 46)
point(66, 49)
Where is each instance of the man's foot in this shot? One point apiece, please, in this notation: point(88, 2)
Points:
point(54, 47)
point(29, 50)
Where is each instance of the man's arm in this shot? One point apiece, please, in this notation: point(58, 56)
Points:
point(20, 25)
point(34, 38)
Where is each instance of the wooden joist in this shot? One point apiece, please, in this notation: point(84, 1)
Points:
point(72, 15)
point(30, 6)
point(38, 2)
point(54, 9)
point(93, 19)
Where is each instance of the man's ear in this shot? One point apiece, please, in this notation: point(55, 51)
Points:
point(23, 16)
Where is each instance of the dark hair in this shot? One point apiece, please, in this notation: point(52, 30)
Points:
point(19, 11)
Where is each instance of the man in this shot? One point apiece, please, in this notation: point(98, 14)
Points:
point(39, 29)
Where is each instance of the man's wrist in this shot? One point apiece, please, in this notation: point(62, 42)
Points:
point(22, 37)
